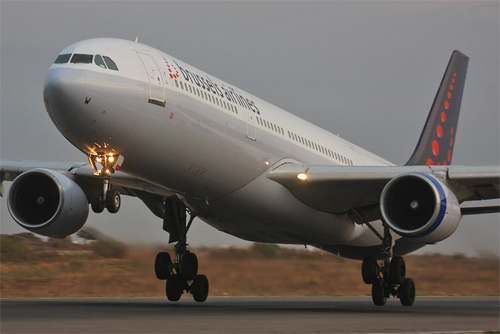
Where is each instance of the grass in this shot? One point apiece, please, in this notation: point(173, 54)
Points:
point(114, 270)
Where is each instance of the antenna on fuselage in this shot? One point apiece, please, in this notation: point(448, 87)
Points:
point(136, 39)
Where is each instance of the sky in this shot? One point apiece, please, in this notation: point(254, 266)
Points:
point(368, 71)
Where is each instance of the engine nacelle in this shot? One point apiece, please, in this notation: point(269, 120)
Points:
point(46, 202)
point(420, 207)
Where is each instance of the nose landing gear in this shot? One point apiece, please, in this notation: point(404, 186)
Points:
point(181, 273)
point(109, 198)
point(389, 277)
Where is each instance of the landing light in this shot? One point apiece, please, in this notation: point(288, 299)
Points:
point(302, 176)
point(110, 163)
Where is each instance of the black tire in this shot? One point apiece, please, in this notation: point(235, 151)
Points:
point(397, 270)
point(113, 200)
point(163, 263)
point(199, 288)
point(97, 203)
point(378, 293)
point(369, 270)
point(189, 266)
point(407, 292)
point(174, 288)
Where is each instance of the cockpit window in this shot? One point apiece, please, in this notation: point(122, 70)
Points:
point(99, 62)
point(62, 59)
point(111, 64)
point(81, 59)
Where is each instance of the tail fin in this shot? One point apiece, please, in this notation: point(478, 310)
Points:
point(435, 146)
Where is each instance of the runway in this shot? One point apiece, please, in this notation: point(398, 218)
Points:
point(249, 315)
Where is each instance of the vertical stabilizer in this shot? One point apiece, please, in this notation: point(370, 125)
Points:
point(435, 146)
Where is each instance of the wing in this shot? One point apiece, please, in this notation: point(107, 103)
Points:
point(357, 190)
point(83, 174)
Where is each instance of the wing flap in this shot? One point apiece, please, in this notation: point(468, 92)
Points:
point(482, 180)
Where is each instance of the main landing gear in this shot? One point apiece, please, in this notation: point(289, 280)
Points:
point(181, 272)
point(389, 277)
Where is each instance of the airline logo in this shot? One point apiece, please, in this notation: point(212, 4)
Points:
point(204, 82)
point(172, 70)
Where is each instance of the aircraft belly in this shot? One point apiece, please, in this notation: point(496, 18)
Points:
point(264, 211)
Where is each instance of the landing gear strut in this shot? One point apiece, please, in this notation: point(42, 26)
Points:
point(181, 272)
point(389, 277)
point(109, 198)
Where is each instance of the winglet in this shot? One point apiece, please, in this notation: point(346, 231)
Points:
point(435, 146)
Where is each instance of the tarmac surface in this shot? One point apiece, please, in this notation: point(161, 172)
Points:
point(249, 315)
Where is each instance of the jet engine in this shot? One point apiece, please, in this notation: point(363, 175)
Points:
point(46, 202)
point(420, 207)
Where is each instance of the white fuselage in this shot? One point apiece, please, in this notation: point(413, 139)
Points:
point(205, 140)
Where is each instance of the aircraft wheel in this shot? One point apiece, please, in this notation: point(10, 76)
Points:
point(174, 288)
point(162, 265)
point(369, 270)
point(397, 270)
point(378, 293)
point(199, 288)
point(406, 292)
point(113, 201)
point(189, 266)
point(97, 203)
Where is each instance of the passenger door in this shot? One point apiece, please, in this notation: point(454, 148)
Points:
point(156, 88)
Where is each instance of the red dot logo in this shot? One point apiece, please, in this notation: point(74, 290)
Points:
point(443, 117)
point(435, 148)
point(446, 105)
point(173, 72)
point(429, 162)
point(449, 95)
point(439, 131)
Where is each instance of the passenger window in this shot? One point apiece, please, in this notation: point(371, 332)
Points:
point(110, 63)
point(81, 59)
point(63, 59)
point(99, 62)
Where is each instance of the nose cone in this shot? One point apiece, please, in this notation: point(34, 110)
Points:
point(65, 101)
point(63, 88)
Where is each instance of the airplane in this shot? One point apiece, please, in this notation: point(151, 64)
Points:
point(190, 145)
